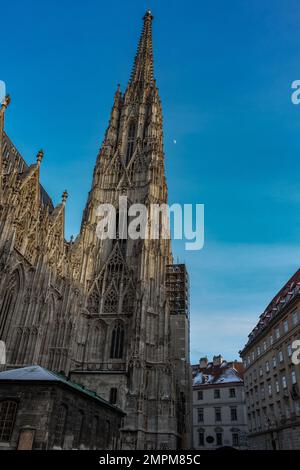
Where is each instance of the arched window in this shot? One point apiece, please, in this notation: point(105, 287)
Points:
point(79, 430)
point(107, 431)
point(130, 141)
point(8, 412)
point(95, 431)
point(60, 426)
point(8, 303)
point(117, 342)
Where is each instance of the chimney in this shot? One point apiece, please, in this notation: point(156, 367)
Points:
point(217, 360)
point(203, 362)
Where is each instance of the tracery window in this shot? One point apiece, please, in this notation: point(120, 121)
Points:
point(130, 141)
point(8, 303)
point(117, 342)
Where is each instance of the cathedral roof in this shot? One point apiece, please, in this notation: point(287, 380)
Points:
point(40, 374)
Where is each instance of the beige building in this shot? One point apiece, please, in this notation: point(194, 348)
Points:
point(219, 410)
point(271, 378)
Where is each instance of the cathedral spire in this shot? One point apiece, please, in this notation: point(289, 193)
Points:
point(142, 72)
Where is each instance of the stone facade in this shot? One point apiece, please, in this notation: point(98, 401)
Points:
point(98, 310)
point(219, 408)
point(271, 378)
point(54, 413)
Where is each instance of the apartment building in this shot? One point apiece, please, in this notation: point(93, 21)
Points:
point(271, 375)
point(219, 412)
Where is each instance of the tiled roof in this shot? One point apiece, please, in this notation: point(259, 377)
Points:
point(225, 373)
point(40, 374)
point(281, 300)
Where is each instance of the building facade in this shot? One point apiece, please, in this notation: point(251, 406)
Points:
point(98, 310)
point(41, 410)
point(271, 378)
point(219, 409)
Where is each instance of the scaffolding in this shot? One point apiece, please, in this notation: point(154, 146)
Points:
point(177, 287)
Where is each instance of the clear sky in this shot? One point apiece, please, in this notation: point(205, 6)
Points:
point(224, 70)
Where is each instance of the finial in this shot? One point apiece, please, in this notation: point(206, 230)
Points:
point(149, 15)
point(6, 101)
point(39, 156)
point(64, 196)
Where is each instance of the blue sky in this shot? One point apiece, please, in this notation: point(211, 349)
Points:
point(224, 70)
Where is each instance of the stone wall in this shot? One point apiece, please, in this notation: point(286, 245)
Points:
point(38, 409)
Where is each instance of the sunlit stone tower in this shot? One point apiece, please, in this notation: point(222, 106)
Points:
point(125, 279)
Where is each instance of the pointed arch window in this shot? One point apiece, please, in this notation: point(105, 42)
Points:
point(8, 303)
point(117, 342)
point(79, 430)
point(130, 141)
point(8, 412)
point(60, 426)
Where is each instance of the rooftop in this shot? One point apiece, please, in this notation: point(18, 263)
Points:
point(40, 374)
point(223, 373)
point(288, 292)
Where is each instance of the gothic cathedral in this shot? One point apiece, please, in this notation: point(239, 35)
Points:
point(101, 311)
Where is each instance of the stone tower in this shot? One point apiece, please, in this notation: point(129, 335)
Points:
point(98, 310)
point(125, 279)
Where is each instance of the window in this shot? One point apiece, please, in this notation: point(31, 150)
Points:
point(295, 318)
point(219, 438)
point(107, 431)
point(200, 395)
point(9, 302)
point(267, 366)
point(294, 377)
point(284, 383)
point(60, 426)
point(95, 431)
point(258, 420)
point(8, 411)
point(277, 333)
point(218, 415)
point(253, 355)
point(285, 326)
point(78, 430)
point(289, 350)
point(117, 342)
point(277, 386)
point(271, 340)
point(262, 392)
point(258, 350)
point(260, 371)
point(113, 396)
point(130, 141)
point(280, 356)
point(233, 414)
point(217, 393)
point(265, 345)
point(235, 439)
point(270, 390)
point(232, 392)
point(200, 438)
point(274, 361)
point(200, 415)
